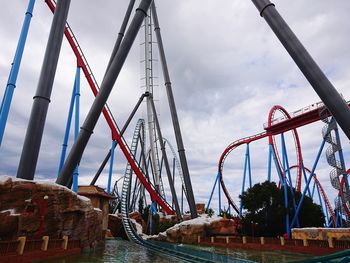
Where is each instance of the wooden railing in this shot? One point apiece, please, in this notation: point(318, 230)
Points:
point(8, 247)
point(22, 246)
point(331, 243)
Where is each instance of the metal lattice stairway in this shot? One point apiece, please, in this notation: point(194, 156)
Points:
point(338, 166)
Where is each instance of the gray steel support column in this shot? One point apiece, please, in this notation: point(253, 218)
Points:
point(166, 161)
point(121, 31)
point(32, 142)
point(175, 120)
point(104, 162)
point(323, 87)
point(101, 98)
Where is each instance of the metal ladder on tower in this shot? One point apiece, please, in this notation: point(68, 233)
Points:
point(149, 84)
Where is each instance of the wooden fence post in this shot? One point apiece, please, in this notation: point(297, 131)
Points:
point(282, 241)
point(21, 245)
point(305, 243)
point(45, 243)
point(65, 242)
point(262, 240)
point(330, 242)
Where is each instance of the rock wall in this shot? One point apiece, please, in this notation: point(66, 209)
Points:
point(115, 225)
point(35, 209)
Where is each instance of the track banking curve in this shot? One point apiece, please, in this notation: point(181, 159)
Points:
point(288, 121)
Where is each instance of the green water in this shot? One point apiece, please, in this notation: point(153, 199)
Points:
point(258, 256)
point(124, 251)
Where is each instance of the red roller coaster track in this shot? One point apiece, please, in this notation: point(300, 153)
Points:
point(285, 123)
point(323, 193)
point(272, 142)
point(82, 62)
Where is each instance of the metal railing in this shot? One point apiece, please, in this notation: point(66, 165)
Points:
point(33, 245)
point(8, 247)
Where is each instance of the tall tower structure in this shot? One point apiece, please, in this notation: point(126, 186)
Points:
point(148, 84)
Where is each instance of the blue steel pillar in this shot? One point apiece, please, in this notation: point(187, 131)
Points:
point(76, 126)
point(246, 163)
point(212, 190)
point(41, 100)
point(269, 164)
point(341, 157)
point(305, 178)
point(286, 164)
point(286, 206)
point(11, 84)
point(75, 101)
point(114, 143)
point(249, 168)
point(321, 204)
point(308, 183)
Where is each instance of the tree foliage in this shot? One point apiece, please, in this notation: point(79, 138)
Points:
point(265, 212)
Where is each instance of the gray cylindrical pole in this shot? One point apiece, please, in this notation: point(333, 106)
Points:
point(175, 120)
point(121, 31)
point(115, 49)
point(101, 98)
point(323, 87)
point(31, 147)
point(166, 162)
point(102, 166)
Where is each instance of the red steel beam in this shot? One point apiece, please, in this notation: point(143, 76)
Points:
point(295, 122)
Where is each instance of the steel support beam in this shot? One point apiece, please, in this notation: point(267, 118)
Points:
point(318, 80)
point(76, 124)
point(174, 117)
point(11, 83)
point(212, 190)
point(32, 142)
point(307, 184)
point(166, 161)
point(121, 32)
point(104, 162)
point(101, 98)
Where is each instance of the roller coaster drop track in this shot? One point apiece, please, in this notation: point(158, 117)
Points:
point(82, 62)
point(274, 127)
point(187, 254)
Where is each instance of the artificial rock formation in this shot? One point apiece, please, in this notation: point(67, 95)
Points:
point(35, 209)
point(188, 231)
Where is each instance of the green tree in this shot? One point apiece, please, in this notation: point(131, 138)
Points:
point(265, 211)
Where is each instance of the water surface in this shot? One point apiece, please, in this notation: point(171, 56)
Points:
point(124, 251)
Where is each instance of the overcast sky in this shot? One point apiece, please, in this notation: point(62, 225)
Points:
point(227, 69)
